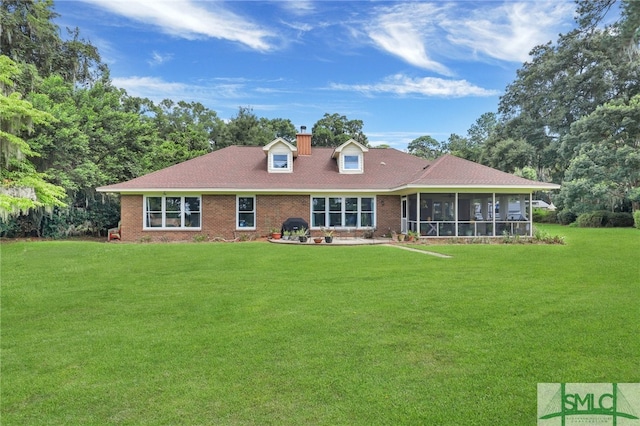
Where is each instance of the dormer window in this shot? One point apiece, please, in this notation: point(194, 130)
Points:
point(352, 162)
point(350, 157)
point(280, 161)
point(280, 155)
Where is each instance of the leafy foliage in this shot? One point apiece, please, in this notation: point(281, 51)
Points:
point(334, 129)
point(604, 219)
point(426, 147)
point(22, 187)
point(605, 146)
point(571, 116)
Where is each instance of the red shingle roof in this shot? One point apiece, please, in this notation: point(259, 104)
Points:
point(245, 168)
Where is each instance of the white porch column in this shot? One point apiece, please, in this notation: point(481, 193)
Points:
point(531, 214)
point(418, 218)
point(455, 215)
point(493, 214)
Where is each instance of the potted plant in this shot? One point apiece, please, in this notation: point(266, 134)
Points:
point(412, 235)
point(401, 237)
point(286, 235)
point(317, 240)
point(302, 235)
point(275, 234)
point(328, 235)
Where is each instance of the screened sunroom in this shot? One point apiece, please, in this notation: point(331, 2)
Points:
point(462, 214)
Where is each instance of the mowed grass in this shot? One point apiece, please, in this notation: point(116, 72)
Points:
point(264, 334)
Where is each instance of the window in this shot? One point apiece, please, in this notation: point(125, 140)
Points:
point(342, 212)
point(280, 161)
point(172, 212)
point(366, 212)
point(246, 213)
point(352, 162)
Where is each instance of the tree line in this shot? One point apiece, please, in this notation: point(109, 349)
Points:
point(65, 129)
point(572, 116)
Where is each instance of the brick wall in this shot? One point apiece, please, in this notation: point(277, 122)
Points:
point(219, 217)
point(272, 210)
point(388, 214)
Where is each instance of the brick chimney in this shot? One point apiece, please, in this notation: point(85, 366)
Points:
point(303, 141)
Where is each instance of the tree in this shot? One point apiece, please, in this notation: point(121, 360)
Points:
point(184, 130)
point(29, 36)
point(22, 187)
point(604, 171)
point(246, 129)
point(569, 79)
point(471, 147)
point(425, 147)
point(281, 128)
point(526, 172)
point(28, 33)
point(334, 130)
point(507, 154)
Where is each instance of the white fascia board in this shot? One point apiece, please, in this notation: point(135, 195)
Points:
point(155, 191)
point(483, 188)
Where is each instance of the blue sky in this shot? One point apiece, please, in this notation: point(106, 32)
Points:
point(406, 69)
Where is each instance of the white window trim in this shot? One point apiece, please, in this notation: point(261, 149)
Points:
point(353, 170)
point(255, 215)
point(343, 212)
point(287, 169)
point(164, 214)
point(350, 147)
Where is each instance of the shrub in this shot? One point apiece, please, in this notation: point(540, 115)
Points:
point(566, 217)
point(620, 220)
point(603, 218)
point(597, 219)
point(636, 218)
point(540, 215)
point(544, 216)
point(546, 238)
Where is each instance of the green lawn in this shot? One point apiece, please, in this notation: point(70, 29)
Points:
point(259, 334)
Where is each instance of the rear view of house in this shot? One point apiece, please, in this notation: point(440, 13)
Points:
point(351, 188)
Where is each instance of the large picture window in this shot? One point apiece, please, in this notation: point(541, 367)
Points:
point(246, 217)
point(172, 212)
point(343, 212)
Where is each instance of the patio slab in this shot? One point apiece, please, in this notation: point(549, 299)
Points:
point(342, 241)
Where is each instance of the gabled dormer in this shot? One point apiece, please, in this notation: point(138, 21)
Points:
point(280, 155)
point(350, 157)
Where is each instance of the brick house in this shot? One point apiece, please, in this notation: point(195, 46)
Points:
point(351, 189)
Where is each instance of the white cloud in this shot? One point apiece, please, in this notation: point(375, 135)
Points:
point(417, 32)
point(207, 91)
point(298, 7)
point(159, 59)
point(402, 85)
point(150, 87)
point(190, 19)
point(405, 30)
point(509, 31)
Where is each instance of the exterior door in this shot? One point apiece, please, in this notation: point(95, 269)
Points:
point(403, 223)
